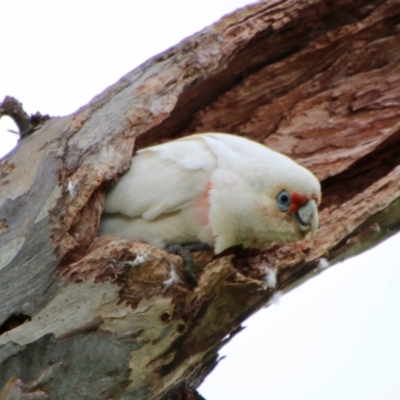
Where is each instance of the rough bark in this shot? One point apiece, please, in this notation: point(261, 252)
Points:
point(91, 317)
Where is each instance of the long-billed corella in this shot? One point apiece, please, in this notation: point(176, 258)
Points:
point(219, 189)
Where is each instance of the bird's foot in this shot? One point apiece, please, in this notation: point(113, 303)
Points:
point(184, 250)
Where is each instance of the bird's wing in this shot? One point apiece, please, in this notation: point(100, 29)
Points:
point(163, 179)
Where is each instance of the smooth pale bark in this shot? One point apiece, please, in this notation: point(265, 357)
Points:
point(92, 317)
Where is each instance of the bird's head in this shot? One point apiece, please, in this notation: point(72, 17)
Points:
point(288, 200)
point(299, 210)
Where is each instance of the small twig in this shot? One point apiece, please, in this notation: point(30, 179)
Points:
point(12, 108)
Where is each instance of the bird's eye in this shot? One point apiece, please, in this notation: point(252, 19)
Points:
point(284, 200)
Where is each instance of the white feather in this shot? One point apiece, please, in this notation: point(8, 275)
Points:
point(322, 263)
point(71, 189)
point(172, 278)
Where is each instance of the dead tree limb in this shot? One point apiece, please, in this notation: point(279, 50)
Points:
point(90, 317)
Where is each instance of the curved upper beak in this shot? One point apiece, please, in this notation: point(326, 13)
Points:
point(307, 216)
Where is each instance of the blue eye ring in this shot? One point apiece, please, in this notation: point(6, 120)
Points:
point(284, 200)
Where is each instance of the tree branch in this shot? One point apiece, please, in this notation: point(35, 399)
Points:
point(314, 79)
point(12, 108)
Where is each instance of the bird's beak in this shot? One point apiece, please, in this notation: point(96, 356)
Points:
point(308, 219)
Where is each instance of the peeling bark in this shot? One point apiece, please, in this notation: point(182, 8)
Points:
point(99, 317)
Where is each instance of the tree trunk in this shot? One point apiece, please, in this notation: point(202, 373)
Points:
point(86, 317)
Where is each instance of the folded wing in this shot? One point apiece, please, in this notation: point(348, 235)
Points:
point(163, 179)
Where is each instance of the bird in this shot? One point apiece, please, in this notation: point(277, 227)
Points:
point(216, 189)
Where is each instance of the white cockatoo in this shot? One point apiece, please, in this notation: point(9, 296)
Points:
point(219, 189)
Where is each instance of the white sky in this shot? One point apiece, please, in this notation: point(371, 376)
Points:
point(335, 337)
